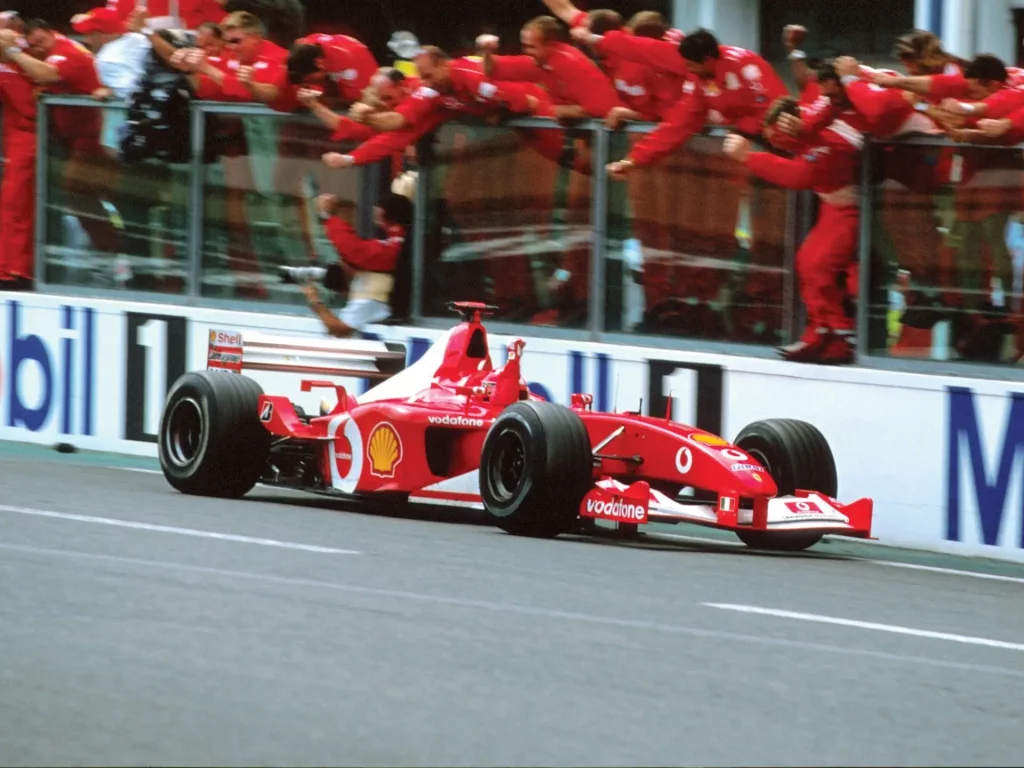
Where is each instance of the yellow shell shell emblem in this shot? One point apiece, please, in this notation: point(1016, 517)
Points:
point(384, 447)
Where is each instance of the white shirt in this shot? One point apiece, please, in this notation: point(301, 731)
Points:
point(121, 62)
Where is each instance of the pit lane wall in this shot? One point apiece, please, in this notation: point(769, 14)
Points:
point(939, 455)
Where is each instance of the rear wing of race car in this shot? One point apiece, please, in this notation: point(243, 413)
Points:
point(234, 351)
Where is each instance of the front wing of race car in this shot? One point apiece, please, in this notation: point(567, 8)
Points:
point(805, 511)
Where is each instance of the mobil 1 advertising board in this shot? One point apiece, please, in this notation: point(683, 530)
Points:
point(939, 455)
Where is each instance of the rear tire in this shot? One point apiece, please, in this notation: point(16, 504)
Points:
point(797, 456)
point(211, 441)
point(535, 469)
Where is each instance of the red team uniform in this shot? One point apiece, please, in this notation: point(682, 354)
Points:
point(192, 12)
point(827, 259)
point(739, 94)
point(18, 191)
point(88, 173)
point(347, 63)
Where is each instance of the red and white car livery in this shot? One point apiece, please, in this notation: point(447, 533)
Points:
point(452, 429)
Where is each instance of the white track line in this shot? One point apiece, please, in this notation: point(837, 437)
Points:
point(696, 539)
point(950, 571)
point(179, 531)
point(834, 651)
point(868, 625)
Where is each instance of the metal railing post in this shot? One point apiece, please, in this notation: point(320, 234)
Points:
point(421, 223)
point(196, 204)
point(42, 192)
point(370, 189)
point(867, 200)
point(599, 226)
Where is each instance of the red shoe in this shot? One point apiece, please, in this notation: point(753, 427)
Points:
point(838, 350)
point(823, 346)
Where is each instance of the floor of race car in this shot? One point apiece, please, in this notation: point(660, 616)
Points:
point(143, 627)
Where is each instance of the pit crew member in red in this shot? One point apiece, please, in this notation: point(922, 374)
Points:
point(639, 85)
point(450, 87)
point(376, 271)
point(577, 87)
point(829, 252)
point(318, 59)
point(388, 88)
point(18, 189)
point(192, 13)
point(254, 67)
point(61, 66)
point(727, 85)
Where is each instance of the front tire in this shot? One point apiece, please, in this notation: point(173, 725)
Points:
point(535, 469)
point(211, 441)
point(797, 456)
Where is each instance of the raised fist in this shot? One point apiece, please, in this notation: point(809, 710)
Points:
point(327, 204)
point(488, 43)
point(793, 36)
point(847, 66)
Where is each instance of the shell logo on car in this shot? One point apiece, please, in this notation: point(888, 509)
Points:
point(384, 447)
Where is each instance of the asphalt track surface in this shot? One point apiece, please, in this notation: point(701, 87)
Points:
point(143, 627)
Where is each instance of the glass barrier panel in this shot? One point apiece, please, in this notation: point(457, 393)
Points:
point(262, 174)
point(110, 223)
point(696, 248)
point(947, 253)
point(509, 223)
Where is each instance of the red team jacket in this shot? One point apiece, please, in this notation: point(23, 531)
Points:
point(364, 254)
point(192, 12)
point(347, 62)
point(569, 77)
point(829, 166)
point(77, 68)
point(742, 90)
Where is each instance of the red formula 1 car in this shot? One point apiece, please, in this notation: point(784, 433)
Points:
point(452, 429)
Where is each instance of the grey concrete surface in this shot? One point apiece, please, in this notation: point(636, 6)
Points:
point(446, 642)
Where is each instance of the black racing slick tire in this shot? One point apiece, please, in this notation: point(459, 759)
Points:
point(797, 456)
point(211, 441)
point(535, 469)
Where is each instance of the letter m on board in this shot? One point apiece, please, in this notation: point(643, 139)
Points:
point(989, 497)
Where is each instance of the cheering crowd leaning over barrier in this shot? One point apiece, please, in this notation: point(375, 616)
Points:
point(568, 66)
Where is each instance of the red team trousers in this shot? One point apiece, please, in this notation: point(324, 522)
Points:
point(826, 266)
point(18, 200)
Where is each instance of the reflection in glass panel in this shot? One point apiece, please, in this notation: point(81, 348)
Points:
point(509, 224)
point(696, 249)
point(109, 223)
point(259, 191)
point(947, 253)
